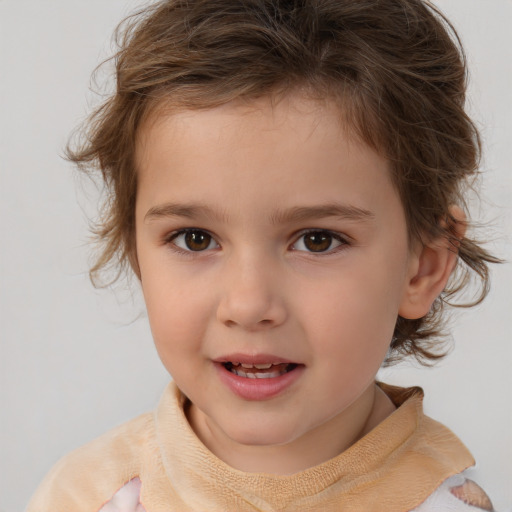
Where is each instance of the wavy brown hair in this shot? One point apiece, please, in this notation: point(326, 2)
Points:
point(396, 69)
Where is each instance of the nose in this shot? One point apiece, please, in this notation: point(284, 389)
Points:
point(252, 295)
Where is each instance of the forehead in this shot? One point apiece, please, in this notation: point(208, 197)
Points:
point(300, 109)
point(293, 112)
point(295, 150)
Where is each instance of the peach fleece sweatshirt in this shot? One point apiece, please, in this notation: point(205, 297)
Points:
point(155, 463)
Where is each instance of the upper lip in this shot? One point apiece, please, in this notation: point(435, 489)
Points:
point(253, 359)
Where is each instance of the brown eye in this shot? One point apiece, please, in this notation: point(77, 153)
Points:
point(194, 240)
point(318, 241)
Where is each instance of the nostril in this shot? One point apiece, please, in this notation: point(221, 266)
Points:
point(250, 311)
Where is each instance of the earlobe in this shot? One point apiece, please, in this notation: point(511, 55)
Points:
point(431, 266)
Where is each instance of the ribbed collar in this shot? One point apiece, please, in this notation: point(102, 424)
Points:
point(394, 467)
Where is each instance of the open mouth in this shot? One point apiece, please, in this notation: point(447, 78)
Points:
point(259, 371)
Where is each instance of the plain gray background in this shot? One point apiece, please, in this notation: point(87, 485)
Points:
point(76, 361)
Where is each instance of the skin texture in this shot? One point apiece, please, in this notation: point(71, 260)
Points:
point(237, 173)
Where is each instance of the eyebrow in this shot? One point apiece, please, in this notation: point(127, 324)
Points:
point(190, 211)
point(340, 211)
point(295, 214)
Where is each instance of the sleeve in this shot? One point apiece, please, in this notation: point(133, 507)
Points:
point(457, 494)
point(73, 484)
point(103, 472)
point(67, 490)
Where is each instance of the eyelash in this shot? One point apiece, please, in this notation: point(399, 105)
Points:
point(334, 237)
point(170, 240)
point(343, 241)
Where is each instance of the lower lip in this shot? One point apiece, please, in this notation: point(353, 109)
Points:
point(258, 389)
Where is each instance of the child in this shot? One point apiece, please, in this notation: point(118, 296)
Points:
point(287, 183)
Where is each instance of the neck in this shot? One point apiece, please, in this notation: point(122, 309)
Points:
point(311, 449)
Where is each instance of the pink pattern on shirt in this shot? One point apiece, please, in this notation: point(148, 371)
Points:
point(127, 499)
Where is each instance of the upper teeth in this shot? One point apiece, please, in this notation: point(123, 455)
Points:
point(264, 366)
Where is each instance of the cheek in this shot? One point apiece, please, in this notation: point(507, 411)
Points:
point(177, 315)
point(356, 316)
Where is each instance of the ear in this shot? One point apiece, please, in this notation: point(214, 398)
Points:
point(431, 265)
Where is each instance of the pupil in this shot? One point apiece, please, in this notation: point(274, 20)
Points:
point(318, 242)
point(197, 240)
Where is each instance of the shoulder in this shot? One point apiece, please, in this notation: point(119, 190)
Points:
point(88, 477)
point(457, 494)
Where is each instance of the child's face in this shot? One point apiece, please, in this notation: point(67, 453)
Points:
point(265, 234)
